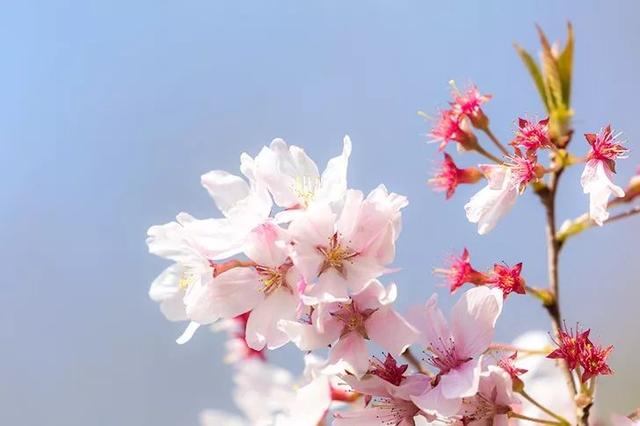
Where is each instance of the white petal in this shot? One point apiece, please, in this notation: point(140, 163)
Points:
point(333, 182)
point(188, 333)
point(492, 202)
point(225, 189)
point(596, 181)
point(166, 290)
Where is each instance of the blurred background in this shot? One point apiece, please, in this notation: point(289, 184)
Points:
point(112, 110)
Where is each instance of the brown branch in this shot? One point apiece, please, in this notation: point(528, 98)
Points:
point(495, 140)
point(409, 356)
point(548, 198)
point(633, 211)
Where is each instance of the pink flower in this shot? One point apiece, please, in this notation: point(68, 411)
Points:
point(605, 147)
point(495, 200)
point(386, 403)
point(456, 350)
point(461, 272)
point(508, 279)
point(388, 370)
point(508, 365)
point(338, 255)
point(450, 176)
point(492, 402)
point(453, 127)
point(524, 170)
point(571, 346)
point(594, 361)
point(294, 179)
point(532, 136)
point(369, 315)
point(597, 176)
point(468, 104)
point(268, 287)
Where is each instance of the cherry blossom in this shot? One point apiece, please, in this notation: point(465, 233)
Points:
point(450, 176)
point(294, 180)
point(493, 201)
point(270, 395)
point(571, 345)
point(341, 254)
point(456, 349)
point(597, 176)
point(449, 127)
point(507, 279)
point(267, 287)
point(460, 272)
point(368, 315)
point(468, 104)
point(492, 402)
point(531, 135)
point(524, 170)
point(386, 402)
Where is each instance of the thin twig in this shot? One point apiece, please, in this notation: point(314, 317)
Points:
point(495, 140)
point(543, 408)
point(480, 150)
point(548, 198)
point(511, 348)
point(633, 211)
point(532, 419)
point(409, 356)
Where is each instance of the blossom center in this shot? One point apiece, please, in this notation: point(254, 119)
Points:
point(444, 356)
point(274, 278)
point(335, 256)
point(305, 189)
point(352, 318)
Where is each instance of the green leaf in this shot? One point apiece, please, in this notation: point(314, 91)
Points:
point(551, 72)
point(534, 71)
point(565, 65)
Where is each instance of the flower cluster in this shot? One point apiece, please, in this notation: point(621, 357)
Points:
point(507, 178)
point(297, 256)
point(578, 351)
point(460, 272)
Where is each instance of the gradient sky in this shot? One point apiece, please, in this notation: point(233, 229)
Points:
point(112, 110)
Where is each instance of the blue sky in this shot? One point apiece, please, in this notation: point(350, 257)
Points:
point(112, 110)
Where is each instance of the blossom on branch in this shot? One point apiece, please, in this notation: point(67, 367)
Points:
point(598, 172)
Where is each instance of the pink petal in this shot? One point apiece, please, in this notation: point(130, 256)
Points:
point(232, 293)
point(351, 350)
point(306, 337)
point(262, 326)
point(473, 320)
point(390, 330)
point(225, 189)
point(462, 381)
point(267, 245)
point(433, 402)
